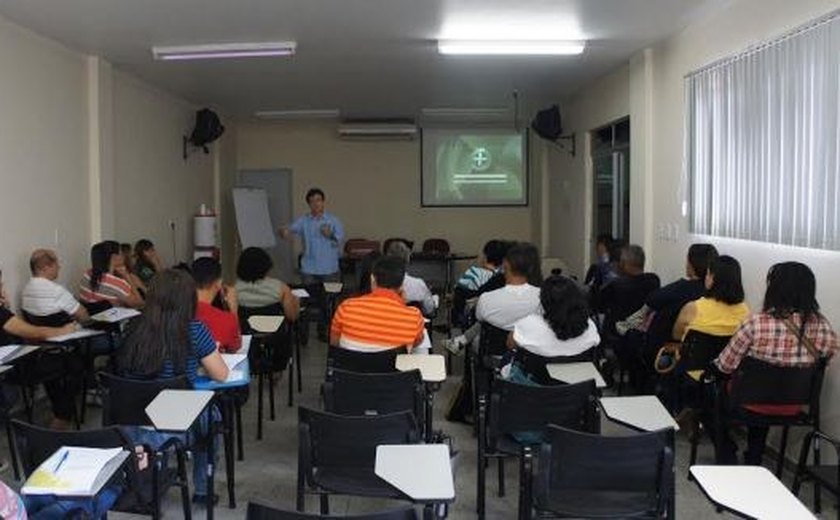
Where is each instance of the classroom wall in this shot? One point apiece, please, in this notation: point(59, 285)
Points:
point(373, 186)
point(570, 181)
point(43, 155)
point(153, 184)
point(657, 74)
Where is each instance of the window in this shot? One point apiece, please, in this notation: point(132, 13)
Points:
point(762, 141)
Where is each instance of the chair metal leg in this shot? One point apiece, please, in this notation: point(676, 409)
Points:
point(525, 475)
point(271, 395)
point(298, 366)
point(817, 488)
point(184, 484)
point(325, 504)
point(158, 467)
point(228, 407)
point(291, 377)
point(501, 463)
point(239, 443)
point(259, 405)
point(480, 481)
point(12, 450)
point(780, 463)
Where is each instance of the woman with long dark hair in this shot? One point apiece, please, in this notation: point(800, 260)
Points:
point(168, 341)
point(146, 260)
point(108, 280)
point(563, 329)
point(785, 332)
point(722, 309)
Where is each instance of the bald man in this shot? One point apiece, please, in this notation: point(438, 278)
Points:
point(44, 300)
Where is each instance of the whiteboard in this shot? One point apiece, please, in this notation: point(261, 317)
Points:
point(252, 219)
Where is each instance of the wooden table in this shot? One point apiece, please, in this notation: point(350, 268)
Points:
point(750, 492)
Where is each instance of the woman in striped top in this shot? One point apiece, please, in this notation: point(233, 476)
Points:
point(107, 281)
point(168, 341)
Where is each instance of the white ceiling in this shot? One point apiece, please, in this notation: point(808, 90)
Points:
point(369, 58)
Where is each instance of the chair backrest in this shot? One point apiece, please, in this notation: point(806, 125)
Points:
point(96, 307)
point(274, 309)
point(261, 512)
point(516, 408)
point(360, 247)
point(56, 319)
point(353, 393)
point(759, 382)
point(698, 349)
point(492, 341)
point(573, 462)
point(35, 444)
point(436, 246)
point(363, 362)
point(124, 400)
point(328, 440)
point(534, 364)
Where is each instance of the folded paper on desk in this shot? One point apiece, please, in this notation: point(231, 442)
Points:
point(8, 351)
point(246, 344)
point(115, 314)
point(235, 375)
point(74, 471)
point(231, 360)
point(300, 293)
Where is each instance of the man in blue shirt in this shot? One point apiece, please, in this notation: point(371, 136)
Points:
point(321, 234)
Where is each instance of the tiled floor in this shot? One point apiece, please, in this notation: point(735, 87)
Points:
point(268, 473)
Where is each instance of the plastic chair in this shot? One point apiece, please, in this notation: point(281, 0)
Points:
point(583, 475)
point(35, 445)
point(353, 393)
point(261, 512)
point(757, 382)
point(271, 353)
point(363, 362)
point(822, 475)
point(336, 454)
point(516, 409)
point(436, 246)
point(124, 403)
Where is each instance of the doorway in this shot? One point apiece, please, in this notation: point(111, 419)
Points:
point(278, 186)
point(611, 174)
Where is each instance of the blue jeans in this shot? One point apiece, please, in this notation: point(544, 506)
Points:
point(48, 507)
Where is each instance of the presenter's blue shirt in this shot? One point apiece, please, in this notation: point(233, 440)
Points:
point(320, 254)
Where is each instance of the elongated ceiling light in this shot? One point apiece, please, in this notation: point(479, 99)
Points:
point(224, 50)
point(511, 47)
point(328, 113)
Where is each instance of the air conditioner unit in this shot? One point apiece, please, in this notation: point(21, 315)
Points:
point(377, 130)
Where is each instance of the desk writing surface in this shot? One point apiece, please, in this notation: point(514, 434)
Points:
point(246, 344)
point(265, 324)
point(4, 369)
point(422, 471)
point(750, 490)
point(115, 315)
point(641, 412)
point(432, 366)
point(572, 373)
point(177, 410)
point(333, 287)
point(300, 293)
point(17, 353)
point(79, 334)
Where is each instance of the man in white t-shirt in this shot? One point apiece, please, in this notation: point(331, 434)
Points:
point(503, 307)
point(42, 297)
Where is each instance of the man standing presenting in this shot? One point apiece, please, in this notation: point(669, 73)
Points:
point(321, 234)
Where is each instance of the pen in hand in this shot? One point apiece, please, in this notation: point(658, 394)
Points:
point(61, 461)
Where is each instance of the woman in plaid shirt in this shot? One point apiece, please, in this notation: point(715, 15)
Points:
point(766, 336)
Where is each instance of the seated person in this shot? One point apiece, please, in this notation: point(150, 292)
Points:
point(722, 310)
point(107, 283)
point(12, 331)
point(503, 307)
point(601, 271)
point(380, 320)
point(476, 277)
point(130, 265)
point(563, 329)
point(254, 288)
point(167, 341)
point(222, 321)
point(623, 296)
point(146, 260)
point(43, 299)
point(366, 270)
point(415, 290)
point(789, 331)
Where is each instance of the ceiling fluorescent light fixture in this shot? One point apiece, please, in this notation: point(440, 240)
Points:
point(511, 47)
point(224, 50)
point(330, 113)
point(446, 112)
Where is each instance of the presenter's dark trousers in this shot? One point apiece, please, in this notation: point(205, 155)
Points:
point(318, 298)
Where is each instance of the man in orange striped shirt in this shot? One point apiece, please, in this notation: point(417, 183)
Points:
point(379, 320)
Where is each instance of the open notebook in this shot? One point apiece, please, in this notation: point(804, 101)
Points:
point(74, 471)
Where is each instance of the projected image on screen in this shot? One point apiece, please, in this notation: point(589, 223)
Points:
point(473, 168)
